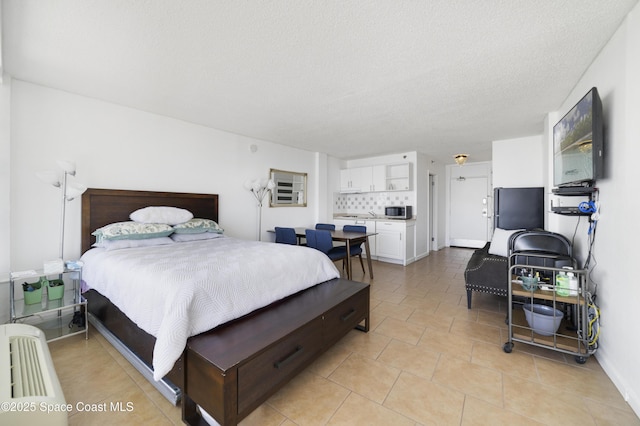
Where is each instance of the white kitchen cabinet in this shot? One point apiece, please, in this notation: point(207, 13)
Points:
point(395, 241)
point(389, 240)
point(351, 180)
point(398, 177)
point(374, 178)
point(378, 178)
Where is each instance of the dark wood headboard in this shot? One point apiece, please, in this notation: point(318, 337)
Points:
point(101, 207)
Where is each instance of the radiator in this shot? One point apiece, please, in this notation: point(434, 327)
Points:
point(30, 392)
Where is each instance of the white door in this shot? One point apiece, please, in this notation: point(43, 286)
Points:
point(468, 221)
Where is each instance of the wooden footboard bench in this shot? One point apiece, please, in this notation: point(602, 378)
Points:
point(231, 370)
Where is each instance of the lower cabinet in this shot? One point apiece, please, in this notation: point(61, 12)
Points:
point(395, 241)
point(389, 241)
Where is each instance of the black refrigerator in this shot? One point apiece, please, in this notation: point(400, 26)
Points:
point(518, 208)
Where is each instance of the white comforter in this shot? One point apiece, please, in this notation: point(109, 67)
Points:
point(182, 289)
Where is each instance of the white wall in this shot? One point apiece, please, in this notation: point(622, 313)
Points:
point(323, 201)
point(334, 165)
point(5, 168)
point(518, 163)
point(122, 148)
point(616, 74)
point(427, 166)
point(521, 163)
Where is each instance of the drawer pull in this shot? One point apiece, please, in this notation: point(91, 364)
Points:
point(346, 317)
point(298, 350)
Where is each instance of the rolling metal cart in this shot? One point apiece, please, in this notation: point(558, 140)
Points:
point(550, 314)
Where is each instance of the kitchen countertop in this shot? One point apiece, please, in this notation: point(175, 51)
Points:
point(368, 217)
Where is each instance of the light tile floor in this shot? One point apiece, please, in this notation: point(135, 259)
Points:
point(427, 360)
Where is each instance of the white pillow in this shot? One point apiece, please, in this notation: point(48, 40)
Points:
point(122, 244)
point(500, 241)
point(161, 214)
point(180, 238)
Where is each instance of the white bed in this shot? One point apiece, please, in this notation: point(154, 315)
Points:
point(179, 290)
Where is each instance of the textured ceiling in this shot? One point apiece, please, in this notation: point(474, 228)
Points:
point(348, 78)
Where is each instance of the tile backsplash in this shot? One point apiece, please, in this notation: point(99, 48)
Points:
point(371, 201)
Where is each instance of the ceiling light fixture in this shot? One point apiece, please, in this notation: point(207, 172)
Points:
point(460, 159)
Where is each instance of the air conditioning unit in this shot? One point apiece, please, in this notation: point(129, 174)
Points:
point(30, 392)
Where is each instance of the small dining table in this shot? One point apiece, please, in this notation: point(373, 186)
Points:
point(350, 238)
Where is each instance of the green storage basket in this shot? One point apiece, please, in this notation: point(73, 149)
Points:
point(55, 290)
point(32, 293)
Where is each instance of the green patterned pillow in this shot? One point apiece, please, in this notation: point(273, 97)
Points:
point(197, 226)
point(132, 231)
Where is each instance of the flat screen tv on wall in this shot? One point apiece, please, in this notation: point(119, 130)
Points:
point(578, 144)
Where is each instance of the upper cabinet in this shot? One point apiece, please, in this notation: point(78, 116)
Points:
point(374, 178)
point(351, 180)
point(378, 178)
point(398, 177)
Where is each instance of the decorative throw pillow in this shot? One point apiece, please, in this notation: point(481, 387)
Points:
point(132, 231)
point(197, 226)
point(500, 241)
point(161, 214)
point(122, 244)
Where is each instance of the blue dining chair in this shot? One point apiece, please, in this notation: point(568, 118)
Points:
point(327, 226)
point(356, 250)
point(320, 239)
point(310, 236)
point(286, 236)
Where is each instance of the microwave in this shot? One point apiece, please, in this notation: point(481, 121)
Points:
point(398, 212)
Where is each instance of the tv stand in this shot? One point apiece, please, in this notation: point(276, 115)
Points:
point(574, 191)
point(577, 190)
